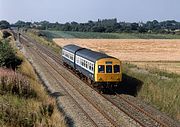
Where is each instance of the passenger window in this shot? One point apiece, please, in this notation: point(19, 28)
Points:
point(101, 69)
point(77, 60)
point(86, 64)
point(81, 61)
point(108, 68)
point(116, 69)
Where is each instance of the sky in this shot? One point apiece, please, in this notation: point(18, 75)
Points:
point(84, 10)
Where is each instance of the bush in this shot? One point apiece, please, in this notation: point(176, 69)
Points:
point(4, 24)
point(6, 34)
point(7, 56)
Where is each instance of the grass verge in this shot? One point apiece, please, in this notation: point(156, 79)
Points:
point(35, 35)
point(158, 88)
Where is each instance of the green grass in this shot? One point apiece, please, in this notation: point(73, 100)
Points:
point(95, 35)
point(162, 89)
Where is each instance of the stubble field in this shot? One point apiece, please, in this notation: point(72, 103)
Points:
point(154, 53)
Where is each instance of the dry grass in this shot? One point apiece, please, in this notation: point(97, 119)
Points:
point(24, 101)
point(14, 83)
point(57, 119)
point(1, 35)
point(165, 66)
point(34, 34)
point(158, 88)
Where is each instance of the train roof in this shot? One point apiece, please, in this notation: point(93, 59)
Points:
point(92, 55)
point(72, 48)
point(86, 53)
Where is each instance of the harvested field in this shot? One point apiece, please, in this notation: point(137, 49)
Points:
point(141, 50)
point(131, 49)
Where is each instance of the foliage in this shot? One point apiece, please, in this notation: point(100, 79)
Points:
point(107, 26)
point(4, 24)
point(6, 34)
point(21, 24)
point(7, 56)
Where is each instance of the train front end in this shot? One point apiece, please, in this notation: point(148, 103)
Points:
point(108, 71)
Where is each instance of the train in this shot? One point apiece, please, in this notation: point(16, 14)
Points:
point(97, 68)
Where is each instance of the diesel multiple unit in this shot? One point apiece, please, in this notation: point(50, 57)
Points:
point(97, 67)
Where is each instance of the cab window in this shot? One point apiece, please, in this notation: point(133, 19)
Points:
point(100, 68)
point(116, 69)
point(108, 68)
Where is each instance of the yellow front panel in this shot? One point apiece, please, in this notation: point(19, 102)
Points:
point(108, 77)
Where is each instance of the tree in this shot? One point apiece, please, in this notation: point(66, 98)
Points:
point(134, 26)
point(4, 24)
point(20, 24)
point(98, 29)
point(142, 29)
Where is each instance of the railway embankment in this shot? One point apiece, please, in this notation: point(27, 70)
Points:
point(23, 99)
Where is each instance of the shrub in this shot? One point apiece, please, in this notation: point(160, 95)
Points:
point(7, 56)
point(6, 34)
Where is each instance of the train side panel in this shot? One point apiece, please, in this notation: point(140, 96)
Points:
point(85, 67)
point(85, 72)
point(68, 62)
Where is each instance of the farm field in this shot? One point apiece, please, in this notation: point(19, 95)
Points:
point(157, 53)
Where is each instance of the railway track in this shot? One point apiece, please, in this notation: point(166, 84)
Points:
point(111, 121)
point(141, 116)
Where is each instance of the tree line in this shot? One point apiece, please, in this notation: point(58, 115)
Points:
point(106, 25)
